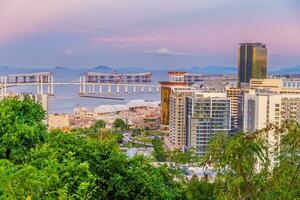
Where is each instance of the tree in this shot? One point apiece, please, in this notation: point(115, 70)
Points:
point(21, 126)
point(250, 167)
point(99, 124)
point(55, 165)
point(179, 157)
point(200, 189)
point(120, 124)
point(136, 132)
point(159, 153)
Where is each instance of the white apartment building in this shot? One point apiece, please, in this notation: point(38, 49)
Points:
point(262, 108)
point(207, 114)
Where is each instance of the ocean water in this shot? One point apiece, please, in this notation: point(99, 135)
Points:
point(66, 96)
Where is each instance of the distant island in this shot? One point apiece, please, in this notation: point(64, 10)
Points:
point(61, 68)
point(287, 70)
point(103, 68)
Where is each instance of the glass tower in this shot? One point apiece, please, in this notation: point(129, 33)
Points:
point(252, 62)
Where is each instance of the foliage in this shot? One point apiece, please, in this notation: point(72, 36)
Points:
point(99, 124)
point(88, 164)
point(136, 132)
point(159, 153)
point(74, 165)
point(198, 189)
point(21, 127)
point(250, 166)
point(179, 157)
point(120, 124)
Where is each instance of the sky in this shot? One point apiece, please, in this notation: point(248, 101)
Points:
point(146, 33)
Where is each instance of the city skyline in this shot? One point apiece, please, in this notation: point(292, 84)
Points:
point(164, 35)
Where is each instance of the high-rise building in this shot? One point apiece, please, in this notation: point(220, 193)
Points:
point(235, 95)
point(261, 108)
point(177, 131)
point(206, 115)
point(176, 79)
point(252, 62)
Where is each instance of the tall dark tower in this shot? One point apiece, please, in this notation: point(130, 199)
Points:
point(252, 62)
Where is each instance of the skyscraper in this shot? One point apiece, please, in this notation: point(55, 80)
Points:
point(252, 62)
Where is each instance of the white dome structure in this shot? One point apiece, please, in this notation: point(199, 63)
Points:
point(104, 109)
point(153, 104)
point(118, 108)
point(110, 109)
point(137, 103)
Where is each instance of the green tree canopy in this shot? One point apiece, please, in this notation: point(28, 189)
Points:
point(250, 167)
point(99, 124)
point(120, 124)
point(159, 153)
point(21, 126)
point(36, 164)
point(56, 165)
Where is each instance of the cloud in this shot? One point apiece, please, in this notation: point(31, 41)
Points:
point(68, 52)
point(167, 52)
point(131, 39)
point(77, 30)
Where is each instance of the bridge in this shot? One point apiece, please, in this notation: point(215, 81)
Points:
point(95, 77)
point(89, 84)
point(39, 79)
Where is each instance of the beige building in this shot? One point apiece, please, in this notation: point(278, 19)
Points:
point(235, 95)
point(262, 108)
point(58, 121)
point(276, 85)
point(83, 112)
point(176, 79)
point(177, 131)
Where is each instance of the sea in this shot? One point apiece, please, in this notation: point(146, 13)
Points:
point(66, 97)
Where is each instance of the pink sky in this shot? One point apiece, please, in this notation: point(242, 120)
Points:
point(131, 27)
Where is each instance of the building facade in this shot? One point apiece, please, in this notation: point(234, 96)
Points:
point(206, 115)
point(236, 107)
point(252, 62)
point(282, 86)
point(261, 108)
point(177, 131)
point(58, 121)
point(176, 79)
